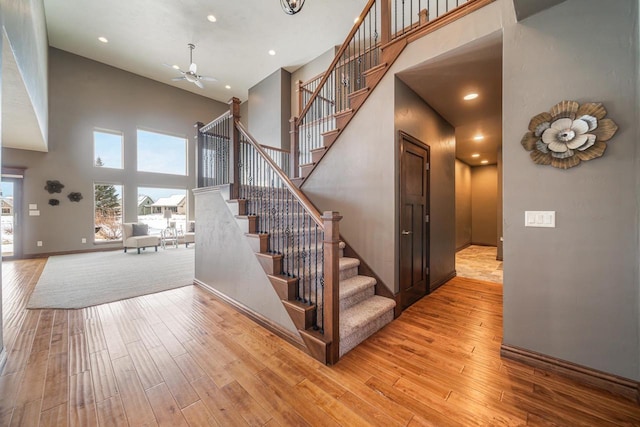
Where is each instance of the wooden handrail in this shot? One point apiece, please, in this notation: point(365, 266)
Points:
point(335, 61)
point(299, 195)
point(212, 123)
point(281, 150)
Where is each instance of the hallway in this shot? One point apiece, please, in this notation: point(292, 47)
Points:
point(479, 262)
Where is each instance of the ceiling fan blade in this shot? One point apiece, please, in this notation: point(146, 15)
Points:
point(208, 79)
point(199, 84)
point(193, 68)
point(177, 79)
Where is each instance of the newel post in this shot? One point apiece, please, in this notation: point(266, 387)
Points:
point(300, 98)
point(385, 21)
point(234, 152)
point(199, 159)
point(295, 147)
point(331, 243)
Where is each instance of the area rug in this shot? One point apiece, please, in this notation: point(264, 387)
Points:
point(84, 280)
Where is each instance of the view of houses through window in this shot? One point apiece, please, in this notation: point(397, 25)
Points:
point(162, 207)
point(156, 207)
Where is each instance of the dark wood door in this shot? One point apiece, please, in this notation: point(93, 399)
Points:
point(414, 220)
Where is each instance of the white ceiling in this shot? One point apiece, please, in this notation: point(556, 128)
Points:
point(145, 34)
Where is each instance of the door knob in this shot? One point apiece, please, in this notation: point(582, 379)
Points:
point(405, 232)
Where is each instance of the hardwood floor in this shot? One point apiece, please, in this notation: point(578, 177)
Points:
point(182, 357)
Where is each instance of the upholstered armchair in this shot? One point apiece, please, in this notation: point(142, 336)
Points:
point(190, 234)
point(136, 235)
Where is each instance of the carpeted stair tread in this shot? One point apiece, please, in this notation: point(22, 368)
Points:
point(346, 263)
point(365, 312)
point(359, 322)
point(355, 290)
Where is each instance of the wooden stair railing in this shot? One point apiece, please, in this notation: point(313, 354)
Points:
point(376, 40)
point(297, 247)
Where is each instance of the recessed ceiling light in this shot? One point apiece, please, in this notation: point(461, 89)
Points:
point(211, 18)
point(478, 137)
point(103, 39)
point(228, 87)
point(470, 96)
point(175, 67)
point(272, 52)
point(475, 155)
point(484, 162)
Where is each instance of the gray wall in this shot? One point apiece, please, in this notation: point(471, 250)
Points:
point(84, 95)
point(26, 29)
point(463, 204)
point(416, 118)
point(484, 204)
point(225, 261)
point(308, 71)
point(270, 109)
point(571, 292)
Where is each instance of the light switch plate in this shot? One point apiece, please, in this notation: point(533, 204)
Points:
point(33, 206)
point(34, 213)
point(540, 219)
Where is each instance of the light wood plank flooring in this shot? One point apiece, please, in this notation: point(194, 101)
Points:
point(182, 357)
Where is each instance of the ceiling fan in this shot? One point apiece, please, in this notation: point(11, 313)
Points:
point(192, 74)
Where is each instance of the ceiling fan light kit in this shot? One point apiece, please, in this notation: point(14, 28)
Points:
point(291, 7)
point(192, 75)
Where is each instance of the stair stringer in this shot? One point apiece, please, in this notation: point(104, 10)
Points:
point(226, 266)
point(302, 315)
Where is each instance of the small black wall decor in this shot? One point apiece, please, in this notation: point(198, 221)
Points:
point(54, 202)
point(75, 197)
point(54, 186)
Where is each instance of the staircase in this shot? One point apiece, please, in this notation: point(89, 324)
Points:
point(362, 312)
point(332, 305)
point(379, 36)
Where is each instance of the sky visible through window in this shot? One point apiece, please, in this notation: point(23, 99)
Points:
point(161, 153)
point(7, 189)
point(108, 147)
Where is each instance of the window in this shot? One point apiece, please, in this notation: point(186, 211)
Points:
point(107, 149)
point(108, 212)
point(161, 153)
point(155, 203)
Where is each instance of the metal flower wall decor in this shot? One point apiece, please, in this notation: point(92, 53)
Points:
point(568, 134)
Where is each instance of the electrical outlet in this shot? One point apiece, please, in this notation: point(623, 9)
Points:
point(39, 243)
point(84, 240)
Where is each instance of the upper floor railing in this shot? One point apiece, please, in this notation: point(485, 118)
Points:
point(380, 23)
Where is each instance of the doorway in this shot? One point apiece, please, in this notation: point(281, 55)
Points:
point(10, 220)
point(414, 219)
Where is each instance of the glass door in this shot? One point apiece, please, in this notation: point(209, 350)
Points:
point(7, 220)
point(10, 219)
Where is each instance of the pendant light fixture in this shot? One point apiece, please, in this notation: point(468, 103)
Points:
point(291, 7)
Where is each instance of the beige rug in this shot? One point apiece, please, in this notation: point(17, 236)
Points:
point(83, 280)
